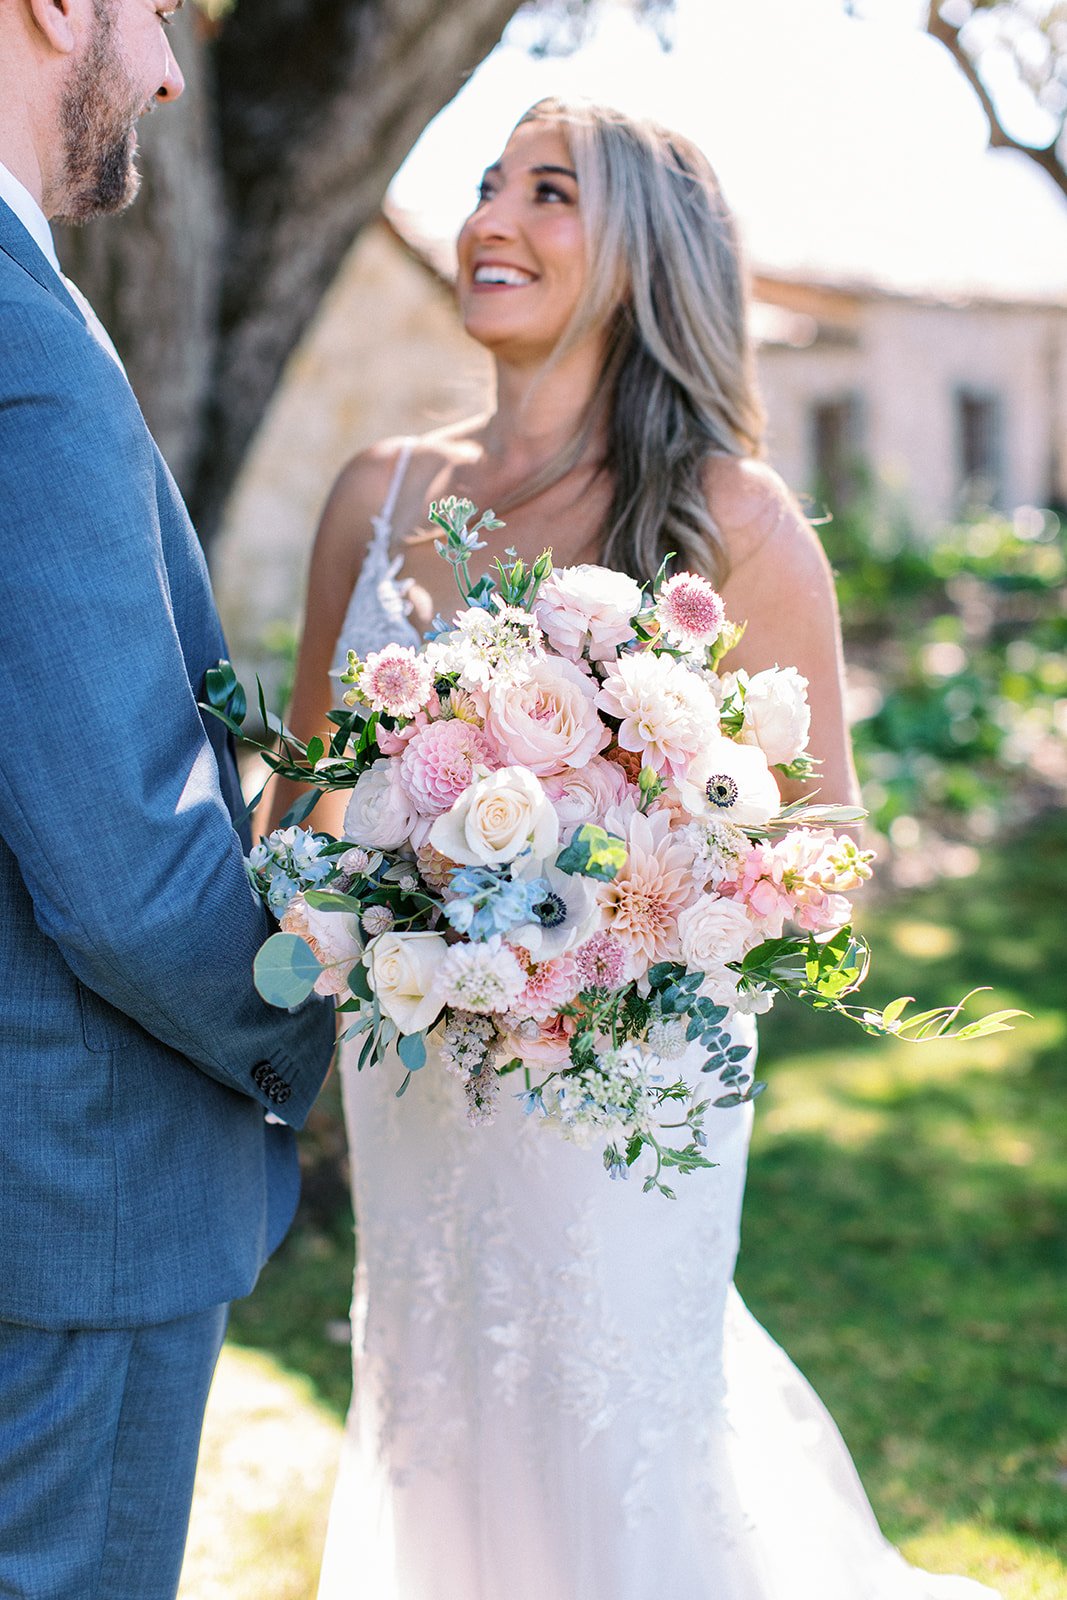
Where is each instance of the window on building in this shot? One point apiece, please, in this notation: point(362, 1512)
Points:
point(978, 431)
point(837, 449)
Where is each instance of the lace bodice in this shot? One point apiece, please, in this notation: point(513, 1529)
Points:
point(378, 608)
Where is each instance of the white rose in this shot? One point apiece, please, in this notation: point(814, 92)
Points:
point(496, 819)
point(714, 930)
point(380, 813)
point(333, 937)
point(720, 986)
point(777, 717)
point(731, 782)
point(401, 971)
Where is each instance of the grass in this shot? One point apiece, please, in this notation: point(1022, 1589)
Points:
point(904, 1240)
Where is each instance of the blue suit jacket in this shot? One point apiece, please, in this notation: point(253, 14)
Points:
point(138, 1177)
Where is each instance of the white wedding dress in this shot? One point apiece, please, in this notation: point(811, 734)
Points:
point(559, 1394)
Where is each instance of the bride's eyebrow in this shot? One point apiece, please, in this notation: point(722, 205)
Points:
point(562, 172)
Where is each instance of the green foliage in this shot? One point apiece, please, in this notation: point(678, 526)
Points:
point(593, 853)
point(965, 636)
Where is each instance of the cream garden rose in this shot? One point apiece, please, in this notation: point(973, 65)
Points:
point(777, 717)
point(380, 814)
point(713, 931)
point(402, 970)
point(496, 819)
point(587, 608)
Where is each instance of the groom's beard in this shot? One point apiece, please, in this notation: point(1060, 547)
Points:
point(99, 115)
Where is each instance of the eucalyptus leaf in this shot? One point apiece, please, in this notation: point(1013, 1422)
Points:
point(411, 1048)
point(285, 970)
point(358, 982)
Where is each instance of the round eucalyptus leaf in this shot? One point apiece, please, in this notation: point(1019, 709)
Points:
point(285, 970)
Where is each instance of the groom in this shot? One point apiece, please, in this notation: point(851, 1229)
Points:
point(141, 1187)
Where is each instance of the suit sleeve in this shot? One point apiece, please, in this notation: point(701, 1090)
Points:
point(109, 789)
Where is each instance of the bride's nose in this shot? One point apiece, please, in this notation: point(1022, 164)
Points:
point(494, 219)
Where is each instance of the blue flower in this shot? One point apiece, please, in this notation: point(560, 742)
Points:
point(532, 1102)
point(485, 903)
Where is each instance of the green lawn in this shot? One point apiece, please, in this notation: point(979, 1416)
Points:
point(904, 1240)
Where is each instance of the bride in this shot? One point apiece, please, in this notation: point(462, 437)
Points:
point(559, 1394)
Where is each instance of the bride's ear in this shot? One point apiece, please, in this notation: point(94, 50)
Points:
point(58, 23)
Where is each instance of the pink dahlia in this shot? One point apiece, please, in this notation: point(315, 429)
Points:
point(549, 985)
point(396, 680)
point(689, 610)
point(439, 763)
point(642, 903)
point(601, 962)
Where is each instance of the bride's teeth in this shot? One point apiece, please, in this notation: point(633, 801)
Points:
point(506, 275)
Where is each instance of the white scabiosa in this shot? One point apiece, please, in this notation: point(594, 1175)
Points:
point(485, 977)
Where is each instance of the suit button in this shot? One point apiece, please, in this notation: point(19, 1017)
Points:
point(280, 1093)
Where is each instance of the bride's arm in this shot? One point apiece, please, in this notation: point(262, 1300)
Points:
point(340, 546)
point(781, 584)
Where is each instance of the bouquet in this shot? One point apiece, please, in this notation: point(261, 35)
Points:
point(566, 864)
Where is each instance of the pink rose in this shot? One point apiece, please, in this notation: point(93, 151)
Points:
point(545, 1046)
point(549, 721)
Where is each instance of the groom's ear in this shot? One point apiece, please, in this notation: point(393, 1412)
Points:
point(59, 22)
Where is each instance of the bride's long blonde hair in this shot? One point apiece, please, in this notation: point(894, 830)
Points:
point(667, 282)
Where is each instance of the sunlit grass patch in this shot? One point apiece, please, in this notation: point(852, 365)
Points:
point(267, 1464)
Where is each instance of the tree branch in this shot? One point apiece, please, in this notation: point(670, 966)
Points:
point(999, 138)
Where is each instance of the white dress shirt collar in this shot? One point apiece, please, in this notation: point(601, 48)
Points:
point(29, 213)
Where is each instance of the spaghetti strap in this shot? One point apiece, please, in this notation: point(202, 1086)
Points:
point(383, 522)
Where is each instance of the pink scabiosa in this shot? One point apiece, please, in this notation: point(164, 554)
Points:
point(441, 761)
point(601, 962)
point(396, 680)
point(642, 903)
point(689, 611)
point(666, 712)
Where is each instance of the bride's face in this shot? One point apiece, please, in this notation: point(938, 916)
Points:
point(521, 252)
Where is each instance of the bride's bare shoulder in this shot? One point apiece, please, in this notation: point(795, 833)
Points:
point(362, 485)
point(758, 517)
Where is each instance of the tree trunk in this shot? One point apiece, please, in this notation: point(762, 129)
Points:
point(296, 116)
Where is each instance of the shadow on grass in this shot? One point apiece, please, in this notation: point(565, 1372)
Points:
point(905, 1221)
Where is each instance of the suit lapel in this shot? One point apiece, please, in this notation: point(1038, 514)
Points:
point(16, 243)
